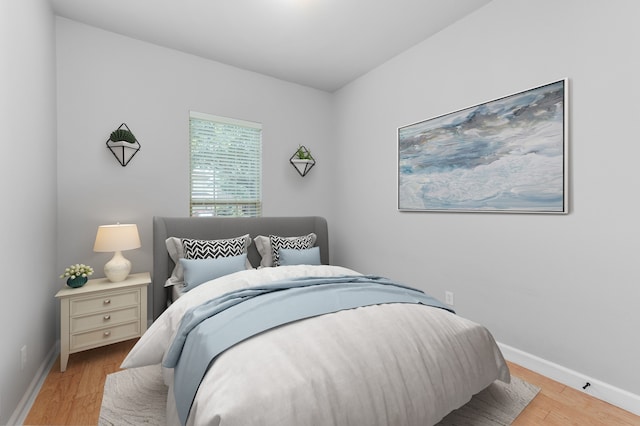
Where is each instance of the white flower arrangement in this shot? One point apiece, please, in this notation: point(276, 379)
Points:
point(77, 270)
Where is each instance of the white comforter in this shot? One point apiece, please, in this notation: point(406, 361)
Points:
point(393, 364)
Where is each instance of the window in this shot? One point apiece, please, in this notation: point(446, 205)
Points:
point(226, 166)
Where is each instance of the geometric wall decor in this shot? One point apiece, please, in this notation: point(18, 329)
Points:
point(123, 144)
point(302, 160)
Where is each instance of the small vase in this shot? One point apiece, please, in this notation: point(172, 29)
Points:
point(76, 282)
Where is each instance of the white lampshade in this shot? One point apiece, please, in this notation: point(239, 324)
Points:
point(117, 238)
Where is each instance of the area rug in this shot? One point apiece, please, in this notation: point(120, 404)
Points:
point(138, 397)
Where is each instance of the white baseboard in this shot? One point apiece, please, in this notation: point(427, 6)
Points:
point(598, 389)
point(24, 406)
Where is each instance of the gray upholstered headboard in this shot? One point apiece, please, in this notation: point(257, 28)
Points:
point(211, 228)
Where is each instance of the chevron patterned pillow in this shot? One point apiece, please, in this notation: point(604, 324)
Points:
point(297, 243)
point(175, 248)
point(212, 249)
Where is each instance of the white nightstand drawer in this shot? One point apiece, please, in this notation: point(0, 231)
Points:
point(104, 319)
point(104, 336)
point(104, 302)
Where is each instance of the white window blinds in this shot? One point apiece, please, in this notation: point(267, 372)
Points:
point(226, 166)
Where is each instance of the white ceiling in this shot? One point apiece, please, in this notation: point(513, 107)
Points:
point(323, 44)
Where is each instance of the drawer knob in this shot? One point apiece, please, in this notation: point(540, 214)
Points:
point(107, 301)
point(107, 333)
point(107, 317)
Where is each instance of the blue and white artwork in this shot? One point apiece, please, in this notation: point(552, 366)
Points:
point(506, 155)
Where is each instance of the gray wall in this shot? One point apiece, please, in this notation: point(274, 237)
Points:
point(105, 79)
point(28, 191)
point(563, 288)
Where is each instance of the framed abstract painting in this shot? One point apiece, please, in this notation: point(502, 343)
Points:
point(508, 155)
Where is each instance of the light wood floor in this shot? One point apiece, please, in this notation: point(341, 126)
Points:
point(74, 397)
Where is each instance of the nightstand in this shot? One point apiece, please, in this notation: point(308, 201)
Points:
point(101, 312)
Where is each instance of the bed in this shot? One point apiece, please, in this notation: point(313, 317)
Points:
point(322, 356)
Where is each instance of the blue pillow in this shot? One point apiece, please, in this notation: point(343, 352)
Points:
point(198, 271)
point(309, 256)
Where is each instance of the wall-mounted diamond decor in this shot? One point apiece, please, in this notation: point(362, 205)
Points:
point(302, 160)
point(123, 144)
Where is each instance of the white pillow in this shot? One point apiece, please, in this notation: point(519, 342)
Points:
point(175, 249)
point(267, 249)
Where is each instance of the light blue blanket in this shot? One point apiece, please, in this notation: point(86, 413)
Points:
point(209, 329)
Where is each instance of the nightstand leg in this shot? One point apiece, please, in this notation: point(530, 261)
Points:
point(64, 359)
point(64, 334)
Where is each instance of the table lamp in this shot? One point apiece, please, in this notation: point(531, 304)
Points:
point(117, 238)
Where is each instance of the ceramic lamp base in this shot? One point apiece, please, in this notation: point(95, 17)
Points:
point(118, 268)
